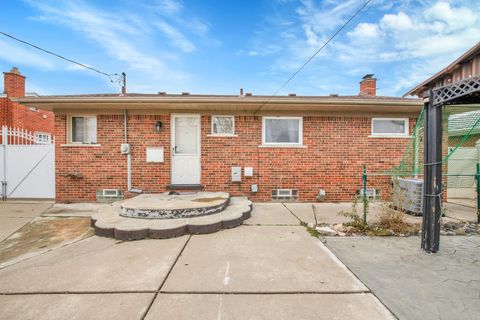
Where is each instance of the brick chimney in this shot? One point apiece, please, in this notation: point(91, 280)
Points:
point(368, 86)
point(14, 83)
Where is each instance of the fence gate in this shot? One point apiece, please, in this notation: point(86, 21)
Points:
point(27, 164)
point(461, 175)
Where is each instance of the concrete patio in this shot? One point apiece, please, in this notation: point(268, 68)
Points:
point(268, 268)
point(260, 271)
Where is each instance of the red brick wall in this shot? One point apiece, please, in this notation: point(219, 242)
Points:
point(29, 119)
point(13, 114)
point(14, 84)
point(368, 87)
point(336, 149)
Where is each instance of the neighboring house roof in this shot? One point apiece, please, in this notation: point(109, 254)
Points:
point(430, 82)
point(463, 123)
point(233, 103)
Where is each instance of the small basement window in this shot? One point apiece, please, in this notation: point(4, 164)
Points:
point(285, 194)
point(223, 125)
point(390, 127)
point(83, 129)
point(282, 131)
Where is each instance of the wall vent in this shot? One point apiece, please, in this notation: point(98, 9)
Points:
point(370, 192)
point(284, 194)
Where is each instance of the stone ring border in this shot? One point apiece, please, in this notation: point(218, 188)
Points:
point(144, 233)
point(173, 213)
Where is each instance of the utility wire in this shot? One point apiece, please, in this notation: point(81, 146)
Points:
point(109, 75)
point(314, 55)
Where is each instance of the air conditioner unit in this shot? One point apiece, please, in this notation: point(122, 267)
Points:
point(408, 195)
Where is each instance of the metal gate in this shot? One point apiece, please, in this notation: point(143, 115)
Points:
point(27, 164)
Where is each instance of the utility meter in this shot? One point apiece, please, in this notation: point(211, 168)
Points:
point(125, 148)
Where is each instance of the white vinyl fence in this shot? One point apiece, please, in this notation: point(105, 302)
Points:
point(27, 164)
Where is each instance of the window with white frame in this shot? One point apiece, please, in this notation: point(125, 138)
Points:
point(83, 129)
point(43, 137)
point(223, 125)
point(390, 127)
point(282, 131)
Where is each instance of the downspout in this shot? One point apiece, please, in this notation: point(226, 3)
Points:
point(129, 156)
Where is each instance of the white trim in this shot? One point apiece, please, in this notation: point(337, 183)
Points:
point(172, 143)
point(390, 135)
point(283, 144)
point(222, 134)
point(69, 129)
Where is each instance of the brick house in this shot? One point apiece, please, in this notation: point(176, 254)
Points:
point(292, 146)
point(13, 114)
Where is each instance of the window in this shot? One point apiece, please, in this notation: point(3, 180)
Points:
point(223, 125)
point(282, 131)
point(43, 138)
point(83, 129)
point(390, 127)
point(285, 194)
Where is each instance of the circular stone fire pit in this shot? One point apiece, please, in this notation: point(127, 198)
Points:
point(167, 206)
point(161, 216)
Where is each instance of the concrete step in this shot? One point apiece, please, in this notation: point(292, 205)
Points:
point(168, 206)
point(109, 223)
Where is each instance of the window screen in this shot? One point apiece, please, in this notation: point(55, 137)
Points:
point(389, 127)
point(84, 130)
point(222, 124)
point(280, 130)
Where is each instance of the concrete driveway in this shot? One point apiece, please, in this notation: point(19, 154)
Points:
point(270, 268)
point(14, 215)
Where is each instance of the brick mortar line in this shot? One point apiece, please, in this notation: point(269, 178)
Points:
point(166, 277)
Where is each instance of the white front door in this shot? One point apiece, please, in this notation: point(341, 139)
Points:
point(185, 149)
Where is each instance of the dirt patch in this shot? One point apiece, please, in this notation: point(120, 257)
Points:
point(43, 234)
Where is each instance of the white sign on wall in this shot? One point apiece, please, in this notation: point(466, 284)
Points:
point(154, 154)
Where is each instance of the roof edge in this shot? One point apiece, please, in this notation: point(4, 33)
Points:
point(464, 56)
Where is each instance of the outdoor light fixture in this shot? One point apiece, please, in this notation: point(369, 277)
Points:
point(158, 126)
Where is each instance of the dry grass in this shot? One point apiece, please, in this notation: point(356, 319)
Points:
point(395, 221)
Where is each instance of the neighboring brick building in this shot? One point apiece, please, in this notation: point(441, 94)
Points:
point(13, 114)
point(197, 141)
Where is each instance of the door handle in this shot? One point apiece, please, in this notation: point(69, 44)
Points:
point(174, 149)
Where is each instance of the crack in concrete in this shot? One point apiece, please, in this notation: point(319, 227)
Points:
point(166, 277)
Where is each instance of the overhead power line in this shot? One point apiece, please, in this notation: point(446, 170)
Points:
point(109, 75)
point(314, 55)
